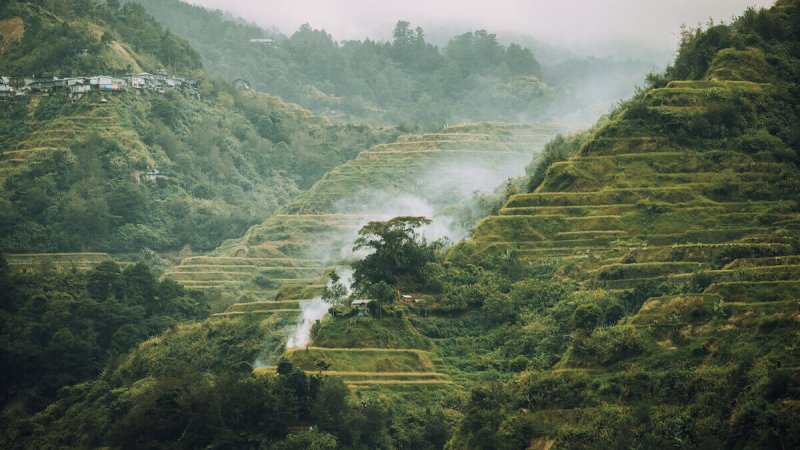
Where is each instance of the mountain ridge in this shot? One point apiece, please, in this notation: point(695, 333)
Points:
point(638, 289)
point(65, 161)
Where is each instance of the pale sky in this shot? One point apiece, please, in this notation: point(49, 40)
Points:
point(593, 25)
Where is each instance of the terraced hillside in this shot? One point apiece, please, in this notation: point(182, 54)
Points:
point(684, 248)
point(633, 207)
point(362, 368)
point(61, 261)
point(46, 137)
point(417, 174)
point(131, 169)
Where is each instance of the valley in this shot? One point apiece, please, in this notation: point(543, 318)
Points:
point(315, 230)
point(419, 253)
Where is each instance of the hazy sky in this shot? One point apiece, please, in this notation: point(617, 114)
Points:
point(594, 25)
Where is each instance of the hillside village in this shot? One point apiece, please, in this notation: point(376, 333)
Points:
point(76, 87)
point(238, 271)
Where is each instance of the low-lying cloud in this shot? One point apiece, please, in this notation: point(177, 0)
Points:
point(579, 24)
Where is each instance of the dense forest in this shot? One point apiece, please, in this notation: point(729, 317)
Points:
point(73, 175)
point(407, 79)
point(637, 288)
point(474, 76)
point(55, 31)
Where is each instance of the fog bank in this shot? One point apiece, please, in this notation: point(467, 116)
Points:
point(587, 26)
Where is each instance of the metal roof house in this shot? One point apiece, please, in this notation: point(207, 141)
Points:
point(241, 84)
point(41, 84)
point(6, 89)
point(76, 87)
point(153, 175)
point(106, 83)
point(362, 305)
point(136, 82)
point(6, 92)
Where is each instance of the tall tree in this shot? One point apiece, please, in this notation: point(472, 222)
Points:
point(398, 252)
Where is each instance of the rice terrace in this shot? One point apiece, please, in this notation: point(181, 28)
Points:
point(340, 225)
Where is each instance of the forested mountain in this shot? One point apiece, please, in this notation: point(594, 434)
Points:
point(74, 173)
point(473, 77)
point(637, 288)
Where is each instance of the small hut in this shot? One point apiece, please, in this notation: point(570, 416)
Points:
point(362, 305)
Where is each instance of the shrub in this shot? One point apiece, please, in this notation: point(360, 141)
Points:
point(611, 344)
point(761, 140)
point(587, 316)
point(730, 254)
point(559, 149)
point(539, 294)
point(263, 280)
point(499, 308)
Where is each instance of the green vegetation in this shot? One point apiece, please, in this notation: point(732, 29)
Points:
point(152, 399)
point(361, 359)
point(61, 328)
point(474, 76)
point(58, 41)
point(679, 240)
point(73, 174)
point(405, 80)
point(642, 292)
point(286, 255)
point(396, 252)
point(389, 332)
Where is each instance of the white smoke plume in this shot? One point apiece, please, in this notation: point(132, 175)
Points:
point(313, 310)
point(346, 278)
point(427, 195)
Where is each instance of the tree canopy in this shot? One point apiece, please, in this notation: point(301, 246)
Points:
point(398, 253)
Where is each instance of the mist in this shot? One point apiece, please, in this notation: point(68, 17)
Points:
point(636, 28)
point(440, 193)
point(312, 310)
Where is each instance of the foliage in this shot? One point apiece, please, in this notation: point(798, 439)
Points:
point(404, 80)
point(397, 254)
point(81, 185)
point(67, 38)
point(62, 328)
point(559, 149)
point(335, 293)
point(370, 332)
point(628, 302)
point(196, 410)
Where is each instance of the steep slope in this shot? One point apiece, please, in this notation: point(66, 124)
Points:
point(643, 294)
point(417, 174)
point(672, 238)
point(129, 168)
point(73, 38)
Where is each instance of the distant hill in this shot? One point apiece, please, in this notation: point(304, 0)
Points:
point(473, 77)
point(74, 174)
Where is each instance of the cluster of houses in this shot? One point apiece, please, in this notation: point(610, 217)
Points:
point(362, 308)
point(76, 87)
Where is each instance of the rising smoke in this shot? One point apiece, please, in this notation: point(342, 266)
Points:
point(432, 193)
point(312, 311)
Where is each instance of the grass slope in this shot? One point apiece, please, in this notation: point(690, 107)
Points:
point(72, 172)
point(711, 224)
point(292, 248)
